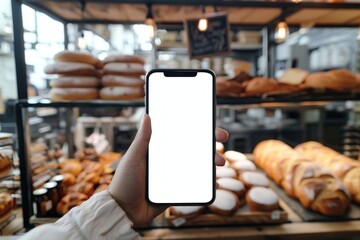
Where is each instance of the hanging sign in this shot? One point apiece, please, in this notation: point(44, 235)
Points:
point(213, 41)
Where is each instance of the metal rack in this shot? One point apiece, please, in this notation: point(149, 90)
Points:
point(288, 9)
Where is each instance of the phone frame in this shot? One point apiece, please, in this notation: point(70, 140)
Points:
point(184, 73)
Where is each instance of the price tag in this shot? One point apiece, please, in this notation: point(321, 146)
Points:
point(178, 221)
point(275, 215)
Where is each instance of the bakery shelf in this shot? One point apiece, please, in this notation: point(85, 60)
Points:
point(88, 103)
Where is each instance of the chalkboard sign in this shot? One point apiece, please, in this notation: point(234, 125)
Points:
point(212, 42)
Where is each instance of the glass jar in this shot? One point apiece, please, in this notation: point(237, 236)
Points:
point(42, 203)
point(53, 195)
point(60, 187)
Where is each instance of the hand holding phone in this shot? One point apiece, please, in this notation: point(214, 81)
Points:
point(180, 163)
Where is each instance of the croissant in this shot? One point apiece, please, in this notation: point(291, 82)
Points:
point(312, 184)
point(342, 166)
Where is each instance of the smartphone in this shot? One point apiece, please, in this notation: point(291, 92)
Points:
point(181, 153)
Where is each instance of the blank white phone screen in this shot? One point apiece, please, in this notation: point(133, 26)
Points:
point(180, 156)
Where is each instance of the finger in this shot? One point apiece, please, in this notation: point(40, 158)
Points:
point(140, 144)
point(219, 160)
point(221, 135)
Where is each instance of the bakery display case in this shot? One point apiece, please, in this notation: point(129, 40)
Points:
point(302, 199)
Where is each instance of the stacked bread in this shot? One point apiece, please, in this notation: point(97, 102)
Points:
point(77, 76)
point(342, 166)
point(6, 203)
point(313, 185)
point(122, 78)
point(238, 183)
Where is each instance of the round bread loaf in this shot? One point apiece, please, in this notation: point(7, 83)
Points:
point(226, 203)
point(220, 147)
point(262, 199)
point(232, 185)
point(124, 59)
point(222, 172)
point(187, 212)
point(121, 93)
point(71, 69)
point(254, 179)
point(343, 80)
point(260, 85)
point(121, 81)
point(71, 94)
point(124, 69)
point(74, 56)
point(318, 80)
point(244, 165)
point(71, 166)
point(75, 82)
point(233, 156)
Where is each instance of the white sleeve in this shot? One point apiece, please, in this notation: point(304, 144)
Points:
point(100, 217)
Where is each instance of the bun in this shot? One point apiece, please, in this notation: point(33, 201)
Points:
point(59, 94)
point(124, 59)
point(244, 165)
point(318, 80)
point(6, 203)
point(121, 93)
point(83, 187)
point(260, 85)
point(343, 80)
point(122, 81)
point(73, 56)
point(227, 88)
point(71, 166)
point(342, 166)
point(224, 172)
point(262, 199)
point(69, 201)
point(75, 82)
point(187, 212)
point(88, 177)
point(220, 148)
point(71, 69)
point(294, 76)
point(69, 179)
point(226, 203)
point(233, 156)
point(254, 179)
point(124, 69)
point(314, 186)
point(232, 185)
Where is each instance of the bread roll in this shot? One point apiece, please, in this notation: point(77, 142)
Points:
point(233, 156)
point(314, 186)
point(124, 59)
point(69, 201)
point(262, 199)
point(121, 93)
point(260, 85)
point(187, 212)
point(70, 69)
point(71, 166)
point(73, 94)
point(343, 80)
point(88, 177)
point(69, 179)
point(232, 185)
point(347, 169)
point(83, 187)
point(226, 203)
point(254, 179)
point(318, 80)
point(294, 76)
point(244, 165)
point(222, 172)
point(75, 82)
point(74, 56)
point(6, 203)
point(124, 69)
point(122, 81)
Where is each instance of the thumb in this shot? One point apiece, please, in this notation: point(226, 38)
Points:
point(140, 144)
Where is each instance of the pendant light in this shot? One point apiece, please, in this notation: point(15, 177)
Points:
point(81, 41)
point(150, 22)
point(281, 30)
point(203, 22)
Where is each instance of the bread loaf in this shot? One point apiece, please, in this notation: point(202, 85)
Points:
point(75, 56)
point(69, 201)
point(345, 168)
point(293, 76)
point(313, 185)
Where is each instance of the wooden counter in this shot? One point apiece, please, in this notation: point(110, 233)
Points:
point(298, 230)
